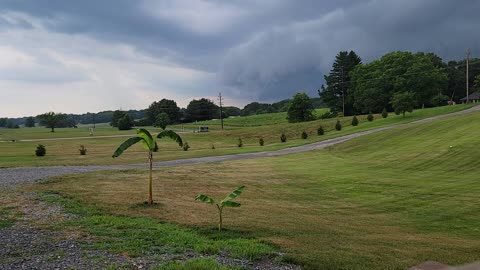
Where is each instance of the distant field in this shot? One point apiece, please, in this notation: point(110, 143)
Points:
point(65, 152)
point(389, 200)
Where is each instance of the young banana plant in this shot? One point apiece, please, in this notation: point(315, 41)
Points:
point(150, 145)
point(227, 202)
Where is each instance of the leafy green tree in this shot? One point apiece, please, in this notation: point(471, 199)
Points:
point(227, 202)
point(440, 100)
point(338, 80)
point(354, 121)
point(163, 106)
point(384, 113)
point(117, 115)
point(403, 102)
point(202, 109)
point(30, 122)
point(51, 120)
point(300, 109)
point(125, 123)
point(162, 120)
point(3, 122)
point(149, 144)
point(10, 123)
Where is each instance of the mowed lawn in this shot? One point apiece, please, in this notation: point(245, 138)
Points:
point(99, 150)
point(389, 200)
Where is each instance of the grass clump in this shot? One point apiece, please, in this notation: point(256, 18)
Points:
point(196, 264)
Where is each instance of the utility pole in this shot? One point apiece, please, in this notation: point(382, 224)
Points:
point(468, 56)
point(221, 108)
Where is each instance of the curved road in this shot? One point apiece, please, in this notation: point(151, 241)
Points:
point(12, 176)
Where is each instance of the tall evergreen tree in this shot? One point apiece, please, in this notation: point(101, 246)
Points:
point(337, 93)
point(30, 122)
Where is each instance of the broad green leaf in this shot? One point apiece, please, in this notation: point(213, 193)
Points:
point(172, 135)
point(148, 141)
point(126, 144)
point(205, 199)
point(234, 194)
point(231, 204)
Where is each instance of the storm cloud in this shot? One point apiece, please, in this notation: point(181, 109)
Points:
point(138, 51)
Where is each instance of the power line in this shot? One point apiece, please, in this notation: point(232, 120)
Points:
point(221, 108)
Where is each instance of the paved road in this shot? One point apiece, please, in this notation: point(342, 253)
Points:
point(12, 176)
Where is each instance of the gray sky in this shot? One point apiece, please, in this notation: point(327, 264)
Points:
point(77, 56)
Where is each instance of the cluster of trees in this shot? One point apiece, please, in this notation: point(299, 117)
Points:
point(281, 106)
point(8, 123)
point(423, 78)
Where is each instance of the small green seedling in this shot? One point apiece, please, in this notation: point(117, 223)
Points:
point(227, 202)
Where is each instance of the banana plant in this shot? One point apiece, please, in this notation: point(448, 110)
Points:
point(150, 145)
point(227, 202)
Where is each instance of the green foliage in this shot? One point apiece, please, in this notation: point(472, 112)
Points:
point(166, 106)
point(40, 151)
point(354, 121)
point(283, 137)
point(403, 102)
point(185, 146)
point(300, 108)
point(227, 202)
point(328, 115)
point(304, 135)
point(320, 131)
point(117, 115)
point(338, 82)
point(30, 122)
point(82, 150)
point(261, 141)
point(3, 122)
point(213, 146)
point(476, 83)
point(125, 123)
point(202, 109)
point(196, 264)
point(240, 142)
point(51, 120)
point(162, 120)
point(440, 100)
point(338, 125)
point(384, 113)
point(370, 117)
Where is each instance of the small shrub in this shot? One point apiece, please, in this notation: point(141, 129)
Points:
point(384, 113)
point(40, 151)
point(370, 117)
point(185, 146)
point(304, 135)
point(283, 138)
point(320, 131)
point(261, 141)
point(354, 121)
point(240, 142)
point(82, 150)
point(338, 125)
point(213, 146)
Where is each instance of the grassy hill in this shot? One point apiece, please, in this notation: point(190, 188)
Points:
point(389, 200)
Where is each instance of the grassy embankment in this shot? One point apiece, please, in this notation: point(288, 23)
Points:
point(383, 201)
point(270, 127)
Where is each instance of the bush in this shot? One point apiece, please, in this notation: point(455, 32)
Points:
point(40, 151)
point(82, 150)
point(125, 123)
point(155, 148)
point(370, 117)
point(320, 131)
point(338, 125)
point(304, 135)
point(283, 137)
point(213, 146)
point(261, 141)
point(240, 142)
point(354, 121)
point(185, 146)
point(384, 113)
point(328, 115)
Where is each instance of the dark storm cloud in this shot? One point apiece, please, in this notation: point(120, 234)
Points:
point(264, 50)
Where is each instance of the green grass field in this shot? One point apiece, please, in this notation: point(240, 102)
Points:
point(389, 200)
point(65, 152)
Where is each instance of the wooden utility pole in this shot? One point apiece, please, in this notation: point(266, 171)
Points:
point(221, 108)
point(468, 56)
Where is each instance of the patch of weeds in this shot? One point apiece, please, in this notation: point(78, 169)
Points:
point(196, 264)
point(7, 217)
point(116, 266)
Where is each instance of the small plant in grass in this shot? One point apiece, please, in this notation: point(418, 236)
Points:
point(384, 113)
point(149, 144)
point(320, 131)
point(82, 150)
point(227, 202)
point(304, 135)
point(213, 146)
point(185, 146)
point(240, 142)
point(354, 121)
point(261, 141)
point(370, 117)
point(338, 125)
point(283, 137)
point(40, 151)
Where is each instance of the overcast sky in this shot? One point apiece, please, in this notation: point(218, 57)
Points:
point(76, 56)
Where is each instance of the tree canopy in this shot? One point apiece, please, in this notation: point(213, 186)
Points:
point(202, 109)
point(52, 120)
point(300, 109)
point(163, 106)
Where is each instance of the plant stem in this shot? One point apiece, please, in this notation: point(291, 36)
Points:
point(150, 163)
point(220, 215)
